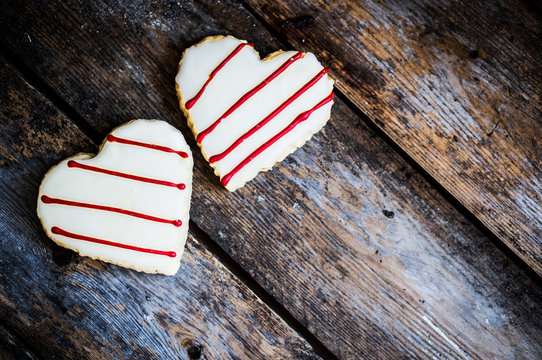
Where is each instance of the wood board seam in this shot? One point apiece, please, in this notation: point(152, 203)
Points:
point(28, 347)
point(200, 235)
point(534, 6)
point(50, 94)
point(259, 291)
point(462, 209)
point(447, 195)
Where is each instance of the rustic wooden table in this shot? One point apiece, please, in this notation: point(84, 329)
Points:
point(410, 227)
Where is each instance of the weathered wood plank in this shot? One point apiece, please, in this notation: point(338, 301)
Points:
point(457, 85)
point(68, 307)
point(415, 280)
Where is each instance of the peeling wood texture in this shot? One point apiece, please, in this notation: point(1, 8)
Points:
point(64, 306)
point(456, 84)
point(344, 233)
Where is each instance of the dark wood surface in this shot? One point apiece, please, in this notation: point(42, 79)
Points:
point(58, 305)
point(352, 241)
point(12, 348)
point(456, 84)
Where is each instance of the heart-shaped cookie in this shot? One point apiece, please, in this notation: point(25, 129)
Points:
point(247, 113)
point(128, 205)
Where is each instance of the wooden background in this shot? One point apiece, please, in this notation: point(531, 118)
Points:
point(409, 227)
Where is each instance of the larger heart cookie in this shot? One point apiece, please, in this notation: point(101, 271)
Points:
point(128, 205)
point(247, 113)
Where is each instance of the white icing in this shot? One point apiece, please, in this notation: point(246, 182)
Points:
point(86, 186)
point(241, 74)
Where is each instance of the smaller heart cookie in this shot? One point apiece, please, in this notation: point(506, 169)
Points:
point(246, 113)
point(128, 205)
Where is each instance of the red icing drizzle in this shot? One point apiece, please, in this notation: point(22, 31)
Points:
point(48, 200)
point(300, 118)
point(59, 231)
point(192, 101)
point(113, 138)
point(75, 164)
point(249, 94)
point(274, 113)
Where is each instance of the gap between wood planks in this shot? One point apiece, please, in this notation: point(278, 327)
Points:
point(40, 85)
point(534, 5)
point(16, 339)
point(532, 274)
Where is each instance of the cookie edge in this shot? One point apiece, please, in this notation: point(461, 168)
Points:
point(84, 156)
point(288, 151)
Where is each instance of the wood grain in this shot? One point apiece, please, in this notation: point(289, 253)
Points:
point(65, 306)
point(344, 233)
point(457, 85)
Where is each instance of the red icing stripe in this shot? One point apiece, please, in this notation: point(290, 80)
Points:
point(274, 113)
point(75, 164)
point(113, 138)
point(59, 231)
point(249, 94)
point(49, 200)
point(193, 101)
point(300, 118)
